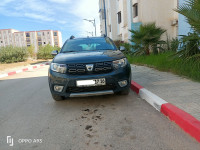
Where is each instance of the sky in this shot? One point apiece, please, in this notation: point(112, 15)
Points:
point(63, 15)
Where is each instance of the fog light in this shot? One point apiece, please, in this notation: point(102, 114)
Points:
point(122, 83)
point(58, 88)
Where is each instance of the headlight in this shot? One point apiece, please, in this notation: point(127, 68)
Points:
point(61, 68)
point(120, 63)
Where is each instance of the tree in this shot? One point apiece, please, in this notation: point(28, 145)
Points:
point(147, 37)
point(190, 44)
point(191, 10)
point(31, 51)
point(45, 52)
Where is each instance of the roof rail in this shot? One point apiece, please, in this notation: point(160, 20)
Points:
point(72, 37)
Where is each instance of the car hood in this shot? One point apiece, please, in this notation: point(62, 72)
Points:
point(88, 56)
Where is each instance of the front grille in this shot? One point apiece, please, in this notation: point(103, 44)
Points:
point(90, 89)
point(99, 68)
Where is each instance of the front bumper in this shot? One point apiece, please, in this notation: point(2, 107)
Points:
point(71, 90)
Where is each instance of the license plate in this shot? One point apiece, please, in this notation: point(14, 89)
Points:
point(93, 82)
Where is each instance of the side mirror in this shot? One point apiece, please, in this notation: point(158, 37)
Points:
point(122, 48)
point(54, 53)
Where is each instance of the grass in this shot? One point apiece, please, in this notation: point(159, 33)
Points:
point(165, 62)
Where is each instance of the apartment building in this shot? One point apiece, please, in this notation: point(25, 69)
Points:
point(7, 37)
point(111, 18)
point(27, 38)
point(159, 11)
point(130, 14)
point(116, 19)
point(122, 20)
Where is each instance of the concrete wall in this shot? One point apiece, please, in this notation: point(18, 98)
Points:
point(7, 37)
point(123, 26)
point(19, 39)
point(159, 11)
point(101, 16)
point(112, 20)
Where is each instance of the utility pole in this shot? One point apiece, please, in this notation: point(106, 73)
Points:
point(95, 27)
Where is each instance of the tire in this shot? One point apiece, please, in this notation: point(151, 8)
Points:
point(57, 97)
point(125, 92)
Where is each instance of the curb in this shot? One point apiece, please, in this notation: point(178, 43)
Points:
point(184, 120)
point(23, 70)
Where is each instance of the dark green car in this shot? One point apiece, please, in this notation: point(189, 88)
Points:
point(88, 67)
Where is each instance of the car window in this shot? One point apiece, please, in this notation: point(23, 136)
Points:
point(88, 45)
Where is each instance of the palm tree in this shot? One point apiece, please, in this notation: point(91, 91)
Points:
point(190, 44)
point(146, 38)
point(191, 10)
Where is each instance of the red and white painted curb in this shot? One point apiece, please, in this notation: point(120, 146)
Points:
point(23, 70)
point(184, 120)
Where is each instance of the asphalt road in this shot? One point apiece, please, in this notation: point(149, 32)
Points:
point(113, 122)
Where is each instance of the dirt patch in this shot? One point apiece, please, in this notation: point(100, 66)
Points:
point(5, 67)
point(88, 127)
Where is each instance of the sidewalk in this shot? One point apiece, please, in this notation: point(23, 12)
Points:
point(181, 92)
point(5, 68)
point(22, 68)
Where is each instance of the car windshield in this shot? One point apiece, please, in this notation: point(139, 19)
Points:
point(88, 44)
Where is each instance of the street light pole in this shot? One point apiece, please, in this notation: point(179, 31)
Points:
point(95, 27)
point(94, 24)
point(105, 17)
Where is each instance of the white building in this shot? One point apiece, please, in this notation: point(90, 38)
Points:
point(159, 11)
point(27, 38)
point(111, 18)
point(7, 37)
point(125, 15)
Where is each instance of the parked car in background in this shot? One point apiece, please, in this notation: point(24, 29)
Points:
point(88, 67)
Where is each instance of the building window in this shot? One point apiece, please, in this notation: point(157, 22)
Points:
point(43, 33)
point(110, 29)
point(44, 42)
point(27, 34)
point(39, 43)
point(39, 34)
point(47, 32)
point(119, 17)
point(39, 39)
point(135, 10)
point(28, 40)
point(55, 33)
point(1, 41)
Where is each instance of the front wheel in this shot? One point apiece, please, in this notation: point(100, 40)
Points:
point(57, 97)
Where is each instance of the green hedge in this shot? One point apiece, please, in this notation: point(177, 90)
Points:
point(45, 52)
point(10, 54)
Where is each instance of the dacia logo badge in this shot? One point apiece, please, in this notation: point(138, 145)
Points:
point(89, 67)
